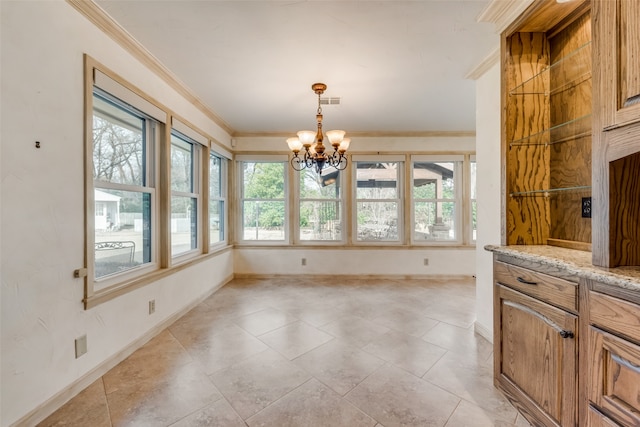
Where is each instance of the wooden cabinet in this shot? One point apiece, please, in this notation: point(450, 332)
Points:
point(547, 117)
point(535, 344)
point(616, 136)
point(614, 360)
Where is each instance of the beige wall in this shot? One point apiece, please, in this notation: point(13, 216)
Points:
point(43, 43)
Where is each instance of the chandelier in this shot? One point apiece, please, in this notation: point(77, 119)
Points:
point(314, 150)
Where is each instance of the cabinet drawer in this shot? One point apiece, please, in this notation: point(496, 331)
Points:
point(596, 419)
point(615, 315)
point(615, 379)
point(559, 292)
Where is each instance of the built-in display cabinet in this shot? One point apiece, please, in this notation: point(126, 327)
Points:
point(547, 128)
point(567, 273)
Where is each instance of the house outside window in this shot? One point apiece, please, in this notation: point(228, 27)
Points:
point(378, 192)
point(321, 207)
point(124, 192)
point(436, 194)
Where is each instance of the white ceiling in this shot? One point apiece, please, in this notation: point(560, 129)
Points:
point(398, 66)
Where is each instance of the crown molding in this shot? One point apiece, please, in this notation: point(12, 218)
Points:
point(484, 65)
point(368, 134)
point(501, 13)
point(94, 13)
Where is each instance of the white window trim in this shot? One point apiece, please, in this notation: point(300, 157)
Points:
point(458, 199)
point(224, 197)
point(400, 159)
point(239, 226)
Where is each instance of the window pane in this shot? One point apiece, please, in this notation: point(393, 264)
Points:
point(216, 221)
point(377, 220)
point(377, 180)
point(320, 220)
point(181, 165)
point(325, 186)
point(118, 144)
point(184, 224)
point(263, 180)
point(122, 231)
point(473, 180)
point(433, 180)
point(434, 221)
point(215, 174)
point(263, 220)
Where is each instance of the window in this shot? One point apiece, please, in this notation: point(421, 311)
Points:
point(124, 188)
point(435, 196)
point(320, 205)
point(217, 198)
point(378, 199)
point(185, 194)
point(474, 207)
point(263, 200)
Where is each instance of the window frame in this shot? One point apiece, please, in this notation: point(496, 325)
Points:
point(223, 198)
point(400, 199)
point(297, 191)
point(459, 177)
point(197, 185)
point(262, 158)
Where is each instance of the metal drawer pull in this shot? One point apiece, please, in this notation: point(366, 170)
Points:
point(563, 333)
point(526, 282)
point(624, 362)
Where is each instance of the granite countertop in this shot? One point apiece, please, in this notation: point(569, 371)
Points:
point(574, 262)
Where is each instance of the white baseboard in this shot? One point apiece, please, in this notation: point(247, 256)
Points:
point(483, 331)
point(51, 405)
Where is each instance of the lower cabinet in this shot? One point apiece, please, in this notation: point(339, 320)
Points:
point(614, 359)
point(535, 345)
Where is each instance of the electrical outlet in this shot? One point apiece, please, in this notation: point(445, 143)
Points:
point(81, 346)
point(586, 207)
point(426, 261)
point(304, 261)
point(152, 306)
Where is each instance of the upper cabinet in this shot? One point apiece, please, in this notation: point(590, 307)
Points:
point(547, 125)
point(616, 133)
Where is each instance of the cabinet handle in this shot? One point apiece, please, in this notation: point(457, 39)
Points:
point(566, 334)
point(526, 282)
point(562, 332)
point(624, 362)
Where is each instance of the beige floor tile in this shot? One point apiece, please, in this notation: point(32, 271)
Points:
point(412, 354)
point(397, 398)
point(312, 404)
point(469, 378)
point(459, 340)
point(162, 400)
point(264, 321)
point(338, 365)
point(88, 408)
point(355, 330)
point(457, 311)
point(469, 415)
point(157, 359)
point(295, 339)
point(219, 413)
point(221, 350)
point(522, 421)
point(256, 382)
point(405, 321)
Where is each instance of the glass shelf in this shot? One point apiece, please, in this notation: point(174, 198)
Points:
point(551, 191)
point(568, 131)
point(571, 70)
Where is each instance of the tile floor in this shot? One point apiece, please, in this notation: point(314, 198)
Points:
point(308, 353)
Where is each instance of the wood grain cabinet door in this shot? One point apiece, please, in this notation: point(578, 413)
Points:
point(617, 59)
point(615, 382)
point(536, 366)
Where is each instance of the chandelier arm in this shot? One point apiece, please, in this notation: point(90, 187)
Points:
point(297, 163)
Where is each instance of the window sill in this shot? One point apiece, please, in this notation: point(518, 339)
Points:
point(111, 292)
